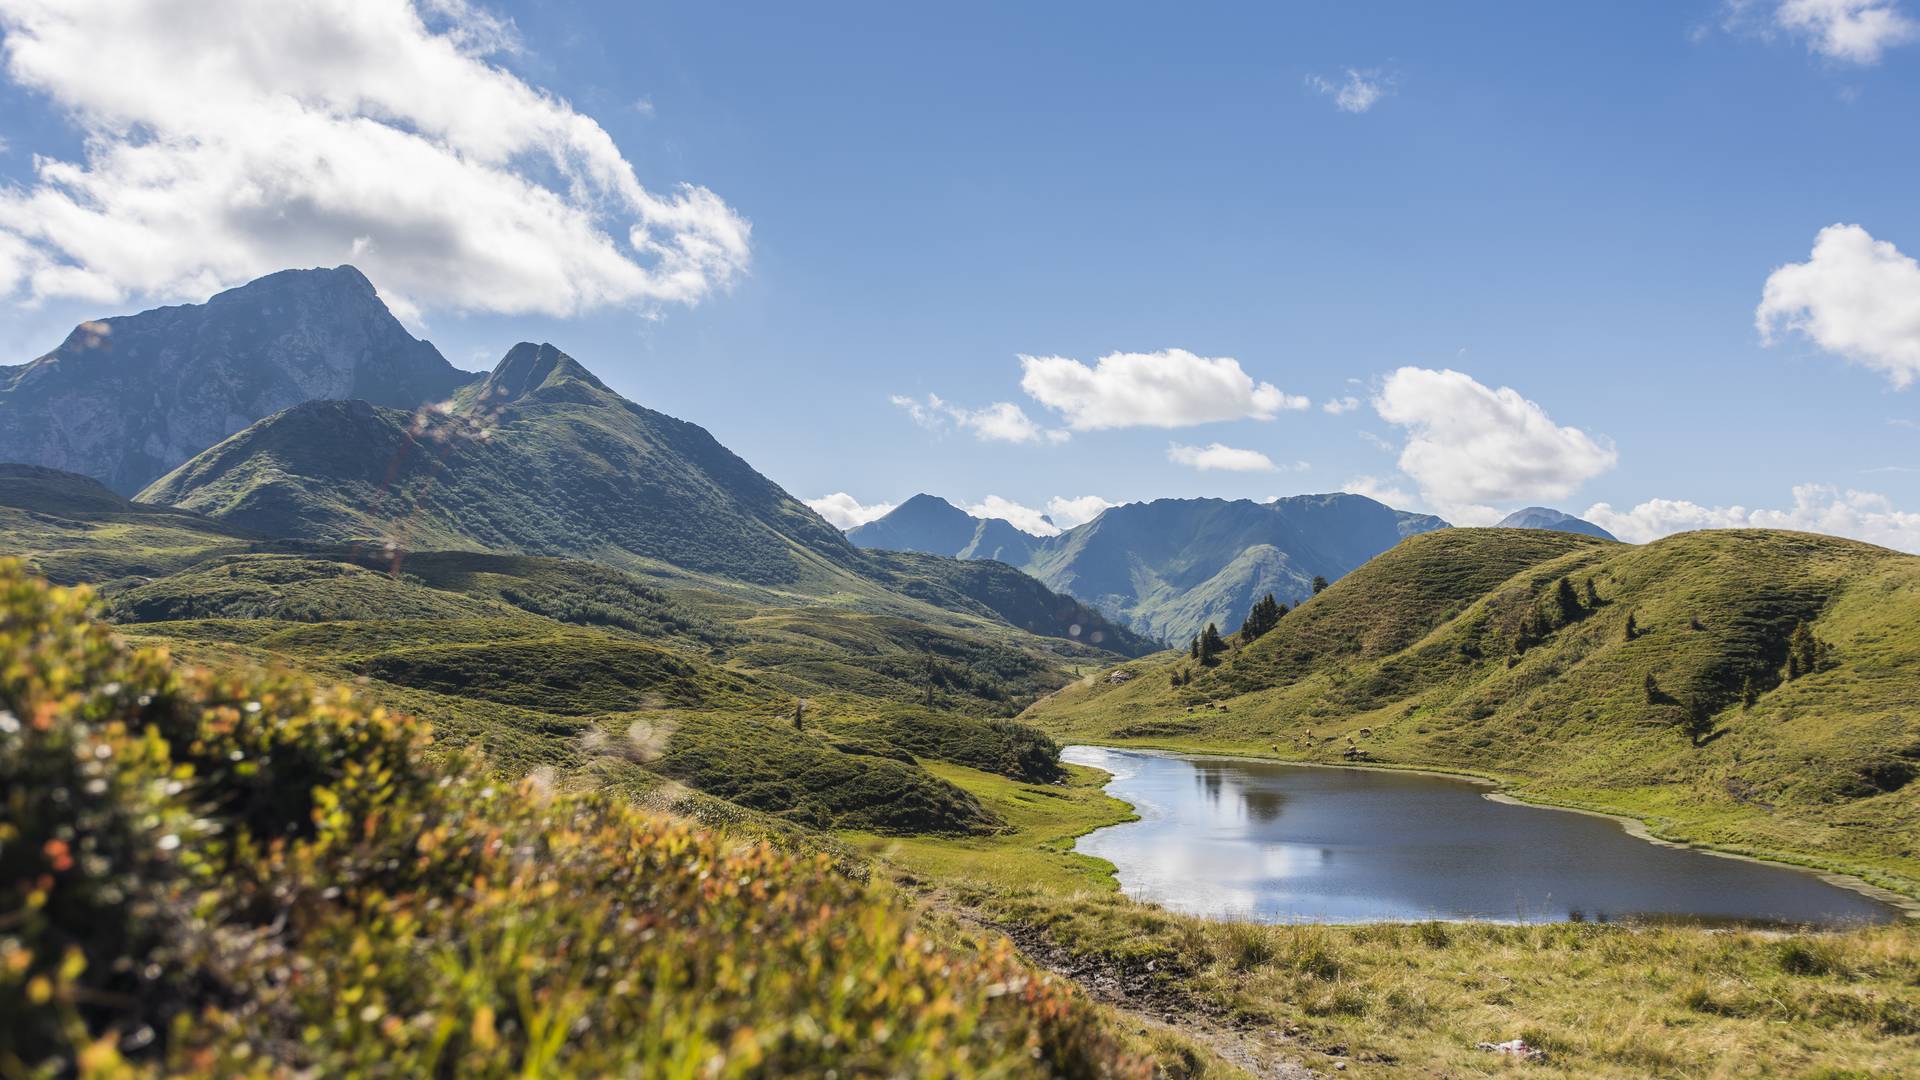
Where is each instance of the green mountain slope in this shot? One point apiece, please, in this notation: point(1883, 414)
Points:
point(125, 399)
point(538, 458)
point(1456, 649)
point(999, 590)
point(1167, 568)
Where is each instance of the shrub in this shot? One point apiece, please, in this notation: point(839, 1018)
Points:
point(238, 873)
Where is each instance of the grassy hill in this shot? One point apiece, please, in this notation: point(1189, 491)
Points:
point(686, 697)
point(269, 877)
point(1455, 650)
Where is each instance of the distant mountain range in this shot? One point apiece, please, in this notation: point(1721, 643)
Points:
point(125, 399)
point(1541, 517)
point(1169, 567)
point(292, 407)
point(929, 524)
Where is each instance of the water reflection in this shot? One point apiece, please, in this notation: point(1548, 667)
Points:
point(1289, 843)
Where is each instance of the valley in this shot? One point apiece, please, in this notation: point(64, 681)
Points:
point(536, 609)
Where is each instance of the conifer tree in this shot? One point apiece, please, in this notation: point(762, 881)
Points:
point(1567, 601)
point(1593, 594)
point(1652, 688)
point(1319, 584)
point(1749, 693)
point(1193, 647)
point(1633, 628)
point(1211, 645)
point(1264, 616)
point(1803, 652)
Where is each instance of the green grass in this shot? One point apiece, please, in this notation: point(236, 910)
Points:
point(1034, 850)
point(1399, 999)
point(1413, 660)
point(264, 877)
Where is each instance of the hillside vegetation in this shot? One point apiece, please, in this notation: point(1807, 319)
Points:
point(1460, 649)
point(250, 875)
point(540, 458)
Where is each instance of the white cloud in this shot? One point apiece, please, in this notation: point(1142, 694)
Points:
point(1855, 296)
point(1469, 446)
point(843, 511)
point(1067, 513)
point(1856, 31)
point(229, 138)
point(1378, 490)
point(1340, 405)
point(1170, 388)
point(1024, 518)
point(1822, 508)
point(1361, 91)
point(1220, 457)
point(1002, 421)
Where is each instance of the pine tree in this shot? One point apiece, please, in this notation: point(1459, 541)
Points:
point(1593, 595)
point(1211, 645)
point(1698, 723)
point(799, 714)
point(1264, 616)
point(1319, 585)
point(1749, 693)
point(1803, 652)
point(1652, 688)
point(1193, 647)
point(1567, 600)
point(1633, 628)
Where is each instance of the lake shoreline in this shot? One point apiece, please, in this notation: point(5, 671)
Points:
point(1908, 907)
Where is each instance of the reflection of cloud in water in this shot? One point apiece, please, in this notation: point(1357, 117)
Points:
point(1286, 844)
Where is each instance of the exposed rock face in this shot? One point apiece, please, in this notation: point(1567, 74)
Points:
point(124, 400)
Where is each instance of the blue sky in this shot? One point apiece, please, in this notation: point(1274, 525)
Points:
point(1557, 223)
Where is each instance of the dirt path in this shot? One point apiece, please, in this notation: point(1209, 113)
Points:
point(1142, 999)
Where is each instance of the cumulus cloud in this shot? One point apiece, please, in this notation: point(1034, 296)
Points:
point(1069, 512)
point(1469, 446)
point(1378, 490)
point(1854, 31)
point(843, 511)
point(1340, 405)
point(228, 138)
point(1170, 388)
point(1221, 458)
point(1855, 296)
point(1002, 421)
point(1360, 91)
point(1822, 508)
point(1024, 518)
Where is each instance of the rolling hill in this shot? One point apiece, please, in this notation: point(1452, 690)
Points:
point(125, 399)
point(1668, 690)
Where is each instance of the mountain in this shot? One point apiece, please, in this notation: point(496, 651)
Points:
point(997, 590)
point(934, 526)
point(125, 399)
point(1747, 688)
point(1168, 567)
point(1541, 517)
point(539, 457)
